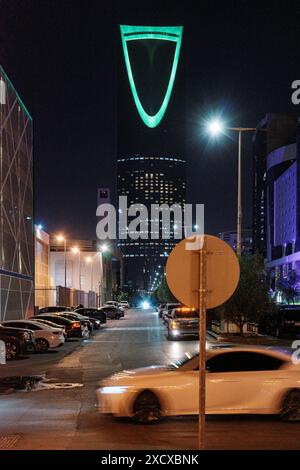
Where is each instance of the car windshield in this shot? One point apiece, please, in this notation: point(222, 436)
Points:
point(186, 313)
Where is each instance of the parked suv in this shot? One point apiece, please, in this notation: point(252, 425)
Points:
point(112, 312)
point(93, 313)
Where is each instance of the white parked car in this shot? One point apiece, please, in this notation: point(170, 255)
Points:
point(112, 303)
point(239, 380)
point(124, 304)
point(45, 336)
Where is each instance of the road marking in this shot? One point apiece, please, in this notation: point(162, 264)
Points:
point(7, 441)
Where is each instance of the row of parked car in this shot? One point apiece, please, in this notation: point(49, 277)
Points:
point(53, 325)
point(180, 321)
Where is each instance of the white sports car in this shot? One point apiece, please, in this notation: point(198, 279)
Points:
point(239, 380)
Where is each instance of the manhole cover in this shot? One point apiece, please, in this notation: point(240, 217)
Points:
point(9, 440)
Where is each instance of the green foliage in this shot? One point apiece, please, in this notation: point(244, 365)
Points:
point(122, 296)
point(251, 300)
point(163, 294)
point(286, 286)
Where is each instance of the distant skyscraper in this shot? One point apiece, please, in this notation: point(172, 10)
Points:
point(151, 148)
point(16, 205)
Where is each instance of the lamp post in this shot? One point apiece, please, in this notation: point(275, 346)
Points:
point(61, 238)
point(102, 249)
point(76, 250)
point(90, 261)
point(215, 128)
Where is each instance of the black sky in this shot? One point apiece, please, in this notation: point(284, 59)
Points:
point(240, 60)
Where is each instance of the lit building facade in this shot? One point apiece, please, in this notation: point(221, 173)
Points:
point(151, 166)
point(16, 205)
point(42, 267)
point(273, 132)
point(282, 200)
point(230, 237)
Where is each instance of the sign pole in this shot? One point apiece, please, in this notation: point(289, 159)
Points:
point(202, 343)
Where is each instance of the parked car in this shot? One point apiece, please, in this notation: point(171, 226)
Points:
point(45, 336)
point(74, 328)
point(183, 321)
point(160, 309)
point(112, 312)
point(239, 380)
point(87, 325)
point(50, 323)
point(17, 341)
point(54, 309)
point(167, 311)
point(124, 304)
point(112, 302)
point(92, 313)
point(283, 324)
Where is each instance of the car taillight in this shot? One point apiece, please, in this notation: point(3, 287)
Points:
point(76, 324)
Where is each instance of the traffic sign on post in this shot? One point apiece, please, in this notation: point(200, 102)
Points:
point(203, 274)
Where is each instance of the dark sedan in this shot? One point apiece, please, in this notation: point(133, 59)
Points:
point(92, 313)
point(73, 328)
point(112, 312)
point(87, 325)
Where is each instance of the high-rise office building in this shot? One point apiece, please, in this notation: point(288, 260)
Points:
point(273, 132)
point(16, 205)
point(151, 148)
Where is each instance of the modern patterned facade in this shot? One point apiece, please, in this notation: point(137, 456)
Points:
point(274, 131)
point(151, 164)
point(281, 210)
point(16, 205)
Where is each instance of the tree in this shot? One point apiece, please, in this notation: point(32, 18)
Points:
point(163, 294)
point(287, 287)
point(251, 300)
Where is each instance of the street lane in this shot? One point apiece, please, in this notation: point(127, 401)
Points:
point(67, 419)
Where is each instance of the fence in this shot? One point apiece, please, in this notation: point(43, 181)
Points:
point(67, 297)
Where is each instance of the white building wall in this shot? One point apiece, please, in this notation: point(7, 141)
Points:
point(90, 272)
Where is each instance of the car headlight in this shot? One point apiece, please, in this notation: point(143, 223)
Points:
point(174, 325)
point(112, 390)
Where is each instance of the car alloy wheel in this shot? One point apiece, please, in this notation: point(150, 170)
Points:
point(146, 408)
point(12, 349)
point(291, 407)
point(41, 345)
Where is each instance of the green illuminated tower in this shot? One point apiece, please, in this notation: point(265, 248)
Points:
point(151, 120)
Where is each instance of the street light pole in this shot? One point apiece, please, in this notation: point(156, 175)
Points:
point(65, 259)
point(216, 127)
point(61, 238)
point(239, 204)
point(240, 131)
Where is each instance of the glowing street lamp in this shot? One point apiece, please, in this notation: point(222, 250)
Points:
point(216, 127)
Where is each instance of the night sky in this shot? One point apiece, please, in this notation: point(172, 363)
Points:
point(240, 61)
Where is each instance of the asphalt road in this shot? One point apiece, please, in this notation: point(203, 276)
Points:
point(67, 418)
